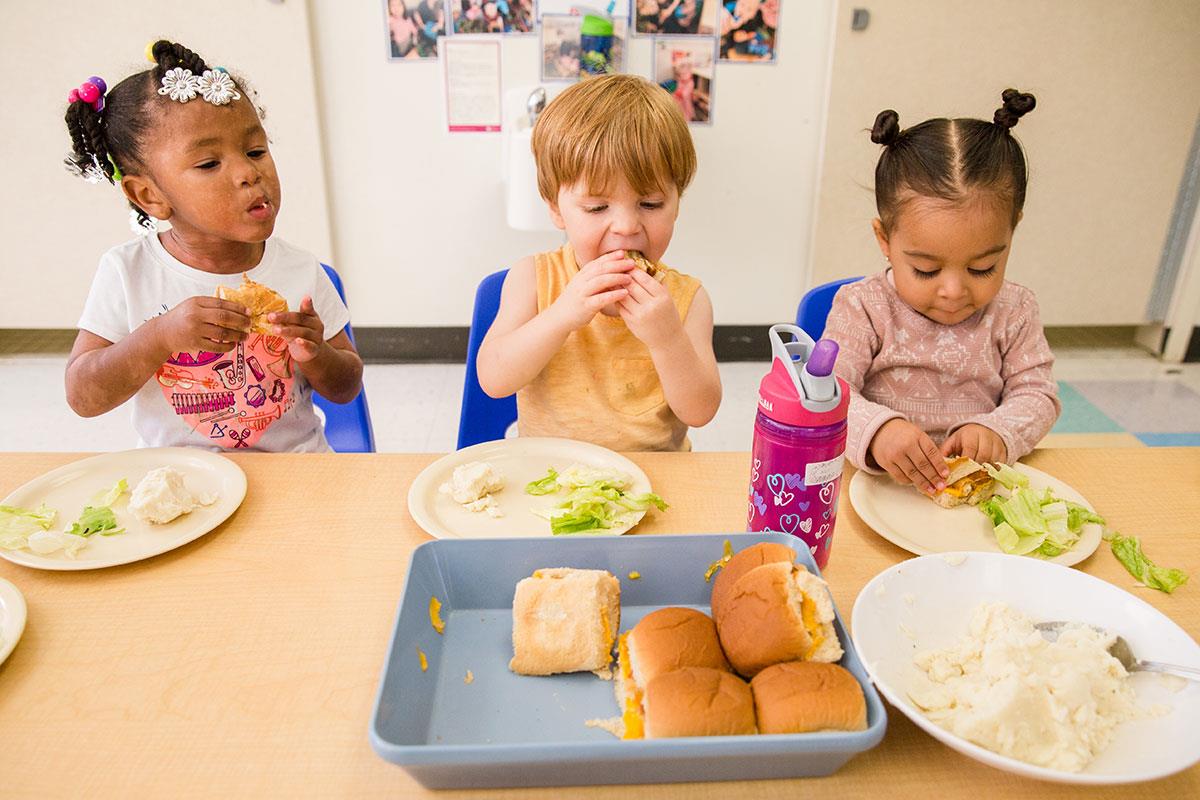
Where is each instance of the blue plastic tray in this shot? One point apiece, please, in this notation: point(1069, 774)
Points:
point(504, 729)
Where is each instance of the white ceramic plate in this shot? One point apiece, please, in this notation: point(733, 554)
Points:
point(12, 618)
point(72, 486)
point(909, 520)
point(926, 603)
point(520, 461)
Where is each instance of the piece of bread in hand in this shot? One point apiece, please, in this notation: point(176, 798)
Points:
point(777, 612)
point(805, 696)
point(967, 484)
point(665, 640)
point(698, 701)
point(565, 620)
point(651, 269)
point(742, 562)
point(259, 299)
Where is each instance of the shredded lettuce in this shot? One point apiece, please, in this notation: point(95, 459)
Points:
point(111, 496)
point(18, 524)
point(1034, 522)
point(1007, 476)
point(596, 499)
point(94, 519)
point(1128, 550)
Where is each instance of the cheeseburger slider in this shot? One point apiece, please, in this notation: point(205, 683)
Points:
point(665, 640)
point(804, 696)
point(652, 269)
point(967, 483)
point(741, 563)
point(697, 701)
point(259, 299)
point(565, 620)
point(774, 613)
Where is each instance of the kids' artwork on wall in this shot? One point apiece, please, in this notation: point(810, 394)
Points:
point(676, 17)
point(686, 67)
point(491, 16)
point(471, 71)
point(620, 8)
point(749, 30)
point(413, 27)
point(561, 48)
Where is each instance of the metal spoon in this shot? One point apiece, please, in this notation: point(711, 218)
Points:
point(535, 104)
point(1121, 651)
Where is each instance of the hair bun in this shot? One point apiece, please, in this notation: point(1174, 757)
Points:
point(1016, 105)
point(887, 128)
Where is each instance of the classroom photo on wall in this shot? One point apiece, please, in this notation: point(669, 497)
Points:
point(676, 17)
point(492, 16)
point(562, 50)
point(749, 30)
point(413, 27)
point(685, 67)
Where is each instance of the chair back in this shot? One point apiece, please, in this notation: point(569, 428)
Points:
point(814, 306)
point(483, 418)
point(347, 426)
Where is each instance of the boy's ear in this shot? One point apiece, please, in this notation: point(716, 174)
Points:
point(881, 238)
point(556, 216)
point(142, 192)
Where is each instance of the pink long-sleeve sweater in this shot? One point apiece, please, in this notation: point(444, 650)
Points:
point(993, 368)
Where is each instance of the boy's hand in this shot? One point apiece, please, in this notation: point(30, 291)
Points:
point(907, 453)
point(597, 284)
point(303, 329)
point(977, 442)
point(203, 323)
point(649, 311)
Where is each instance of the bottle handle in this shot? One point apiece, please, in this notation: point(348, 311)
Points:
point(791, 353)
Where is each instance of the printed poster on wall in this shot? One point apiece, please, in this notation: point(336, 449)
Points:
point(686, 67)
point(676, 17)
point(413, 27)
point(749, 30)
point(471, 70)
point(491, 16)
point(620, 7)
point(561, 46)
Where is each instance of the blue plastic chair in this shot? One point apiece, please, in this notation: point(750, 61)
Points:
point(814, 306)
point(347, 425)
point(483, 418)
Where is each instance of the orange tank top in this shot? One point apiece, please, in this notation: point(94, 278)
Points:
point(601, 386)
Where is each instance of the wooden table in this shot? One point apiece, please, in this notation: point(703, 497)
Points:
point(245, 663)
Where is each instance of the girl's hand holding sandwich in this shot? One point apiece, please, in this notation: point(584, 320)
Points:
point(201, 323)
point(303, 330)
point(907, 453)
point(977, 442)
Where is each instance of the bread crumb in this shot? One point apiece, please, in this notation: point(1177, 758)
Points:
point(909, 598)
point(470, 677)
point(424, 660)
point(954, 559)
point(610, 725)
point(605, 674)
point(635, 575)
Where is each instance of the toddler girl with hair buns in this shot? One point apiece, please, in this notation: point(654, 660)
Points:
point(943, 355)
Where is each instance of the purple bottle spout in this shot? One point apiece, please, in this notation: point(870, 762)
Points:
point(824, 355)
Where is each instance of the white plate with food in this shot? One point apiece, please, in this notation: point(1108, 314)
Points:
point(913, 624)
point(147, 519)
point(457, 497)
point(910, 520)
point(12, 618)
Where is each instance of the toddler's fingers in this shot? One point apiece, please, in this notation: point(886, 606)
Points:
point(218, 346)
point(616, 261)
point(936, 459)
point(607, 282)
point(897, 473)
point(922, 473)
point(599, 301)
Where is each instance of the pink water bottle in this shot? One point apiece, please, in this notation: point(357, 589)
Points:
point(799, 442)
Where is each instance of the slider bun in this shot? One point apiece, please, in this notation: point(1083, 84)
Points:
point(670, 638)
point(564, 620)
point(804, 696)
point(763, 623)
point(695, 701)
point(742, 562)
point(259, 299)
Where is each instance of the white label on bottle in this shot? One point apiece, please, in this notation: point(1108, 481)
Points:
point(822, 472)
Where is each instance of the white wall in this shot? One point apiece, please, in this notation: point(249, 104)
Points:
point(418, 214)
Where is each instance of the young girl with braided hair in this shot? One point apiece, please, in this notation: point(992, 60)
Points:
point(942, 354)
point(186, 145)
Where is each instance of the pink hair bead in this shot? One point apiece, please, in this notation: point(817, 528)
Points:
point(73, 96)
point(99, 83)
point(88, 92)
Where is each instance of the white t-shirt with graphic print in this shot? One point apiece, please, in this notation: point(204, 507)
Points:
point(250, 398)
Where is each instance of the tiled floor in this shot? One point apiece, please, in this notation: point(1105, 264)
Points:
point(1110, 397)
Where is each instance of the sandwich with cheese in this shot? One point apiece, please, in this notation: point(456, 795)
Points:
point(967, 484)
point(698, 701)
point(742, 562)
point(643, 263)
point(664, 641)
point(774, 613)
point(806, 696)
point(260, 300)
point(565, 620)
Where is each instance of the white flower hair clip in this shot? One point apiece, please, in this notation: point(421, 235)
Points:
point(213, 85)
point(140, 226)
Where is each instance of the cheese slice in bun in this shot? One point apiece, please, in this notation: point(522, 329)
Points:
point(565, 620)
point(777, 612)
point(967, 483)
point(697, 701)
point(665, 640)
point(805, 696)
point(259, 299)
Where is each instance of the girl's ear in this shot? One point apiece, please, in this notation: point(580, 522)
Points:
point(142, 192)
point(881, 237)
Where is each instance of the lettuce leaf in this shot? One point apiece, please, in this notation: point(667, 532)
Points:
point(111, 496)
point(18, 524)
point(95, 519)
point(546, 485)
point(1034, 521)
point(1007, 476)
point(1128, 550)
point(596, 499)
